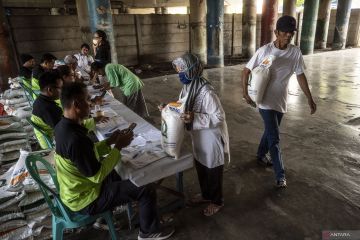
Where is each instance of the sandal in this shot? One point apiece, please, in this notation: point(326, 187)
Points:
point(197, 199)
point(211, 209)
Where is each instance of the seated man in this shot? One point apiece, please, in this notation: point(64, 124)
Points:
point(25, 71)
point(46, 64)
point(46, 112)
point(84, 60)
point(89, 185)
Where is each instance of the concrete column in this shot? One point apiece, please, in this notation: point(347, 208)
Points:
point(289, 8)
point(215, 32)
point(322, 24)
point(299, 22)
point(164, 10)
point(84, 21)
point(248, 28)
point(198, 29)
point(268, 21)
point(309, 26)
point(7, 59)
point(342, 23)
point(101, 19)
point(157, 10)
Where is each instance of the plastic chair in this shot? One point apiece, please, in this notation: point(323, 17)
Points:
point(62, 217)
point(29, 93)
point(48, 140)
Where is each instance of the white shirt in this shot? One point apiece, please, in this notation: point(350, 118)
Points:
point(209, 135)
point(287, 62)
point(84, 62)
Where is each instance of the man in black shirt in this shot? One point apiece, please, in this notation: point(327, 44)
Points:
point(28, 63)
point(88, 182)
point(46, 112)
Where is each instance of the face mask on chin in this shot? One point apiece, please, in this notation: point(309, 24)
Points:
point(95, 42)
point(183, 78)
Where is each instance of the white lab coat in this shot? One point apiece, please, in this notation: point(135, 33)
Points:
point(209, 134)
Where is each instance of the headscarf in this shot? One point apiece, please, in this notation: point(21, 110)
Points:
point(192, 67)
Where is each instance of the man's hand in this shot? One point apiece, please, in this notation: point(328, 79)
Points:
point(249, 100)
point(105, 86)
point(101, 119)
point(124, 139)
point(187, 117)
point(312, 105)
point(112, 139)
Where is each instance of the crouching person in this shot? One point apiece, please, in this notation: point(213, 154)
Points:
point(88, 183)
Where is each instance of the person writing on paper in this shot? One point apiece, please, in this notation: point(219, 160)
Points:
point(85, 171)
point(119, 77)
point(288, 60)
point(204, 118)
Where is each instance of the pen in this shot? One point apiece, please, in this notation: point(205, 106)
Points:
point(112, 129)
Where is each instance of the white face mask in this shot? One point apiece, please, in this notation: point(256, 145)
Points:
point(95, 41)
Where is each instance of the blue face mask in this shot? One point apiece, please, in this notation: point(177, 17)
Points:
point(183, 78)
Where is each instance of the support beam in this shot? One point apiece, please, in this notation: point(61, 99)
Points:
point(7, 59)
point(342, 24)
point(101, 18)
point(309, 26)
point(215, 32)
point(289, 8)
point(84, 21)
point(268, 21)
point(198, 29)
point(248, 28)
point(157, 10)
point(322, 26)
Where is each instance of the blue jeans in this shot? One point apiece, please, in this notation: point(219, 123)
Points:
point(270, 141)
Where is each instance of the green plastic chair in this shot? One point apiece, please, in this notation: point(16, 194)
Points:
point(62, 217)
point(48, 139)
point(29, 93)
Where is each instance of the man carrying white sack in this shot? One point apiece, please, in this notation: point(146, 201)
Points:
point(288, 60)
point(204, 118)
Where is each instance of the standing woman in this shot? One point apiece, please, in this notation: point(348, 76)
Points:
point(204, 118)
point(101, 47)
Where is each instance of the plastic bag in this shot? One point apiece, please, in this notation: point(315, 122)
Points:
point(172, 129)
point(259, 79)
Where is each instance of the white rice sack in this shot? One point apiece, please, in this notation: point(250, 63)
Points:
point(9, 156)
point(22, 112)
point(15, 198)
point(13, 135)
point(18, 233)
point(259, 79)
point(14, 145)
point(172, 130)
point(16, 100)
point(12, 93)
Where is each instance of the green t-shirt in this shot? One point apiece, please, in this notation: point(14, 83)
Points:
point(121, 77)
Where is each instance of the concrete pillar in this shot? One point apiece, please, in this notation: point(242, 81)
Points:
point(84, 21)
point(248, 28)
point(322, 25)
point(164, 10)
point(101, 18)
point(342, 23)
point(7, 59)
point(198, 29)
point(268, 21)
point(215, 33)
point(309, 26)
point(157, 10)
point(299, 22)
point(289, 8)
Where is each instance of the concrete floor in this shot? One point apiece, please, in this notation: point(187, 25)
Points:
point(321, 157)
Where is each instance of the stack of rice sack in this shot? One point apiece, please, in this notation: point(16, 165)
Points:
point(14, 135)
point(15, 101)
point(24, 214)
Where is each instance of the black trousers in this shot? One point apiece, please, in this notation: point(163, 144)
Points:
point(116, 192)
point(211, 181)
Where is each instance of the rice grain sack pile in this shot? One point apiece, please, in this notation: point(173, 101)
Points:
point(172, 129)
point(259, 79)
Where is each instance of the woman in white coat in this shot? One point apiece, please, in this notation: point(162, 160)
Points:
point(204, 118)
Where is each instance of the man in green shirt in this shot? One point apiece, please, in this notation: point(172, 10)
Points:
point(122, 78)
point(88, 182)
